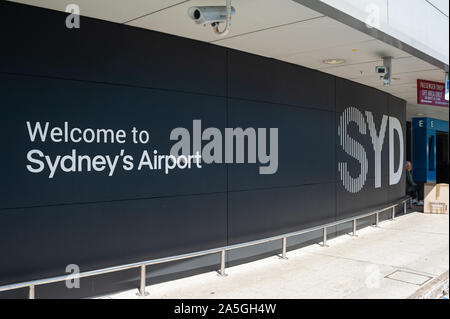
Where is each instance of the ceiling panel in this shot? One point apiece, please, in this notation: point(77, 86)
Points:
point(112, 10)
point(359, 71)
point(354, 53)
point(401, 88)
point(310, 35)
point(251, 15)
point(437, 112)
point(409, 96)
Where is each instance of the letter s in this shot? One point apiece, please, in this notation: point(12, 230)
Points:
point(35, 161)
point(354, 149)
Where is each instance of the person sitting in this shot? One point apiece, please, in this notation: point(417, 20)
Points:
point(412, 188)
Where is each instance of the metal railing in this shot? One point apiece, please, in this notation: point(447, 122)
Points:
point(222, 250)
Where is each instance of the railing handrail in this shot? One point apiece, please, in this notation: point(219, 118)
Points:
point(142, 264)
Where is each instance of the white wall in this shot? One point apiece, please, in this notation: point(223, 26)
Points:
point(422, 24)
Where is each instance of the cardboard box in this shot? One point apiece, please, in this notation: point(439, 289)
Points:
point(435, 198)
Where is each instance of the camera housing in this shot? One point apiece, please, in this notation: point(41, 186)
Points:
point(381, 70)
point(385, 71)
point(212, 15)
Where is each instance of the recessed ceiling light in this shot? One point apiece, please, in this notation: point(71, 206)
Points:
point(334, 61)
point(396, 79)
point(420, 114)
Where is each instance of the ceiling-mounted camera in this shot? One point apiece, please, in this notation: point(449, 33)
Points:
point(212, 15)
point(381, 70)
point(385, 71)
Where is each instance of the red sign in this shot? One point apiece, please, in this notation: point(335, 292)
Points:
point(431, 93)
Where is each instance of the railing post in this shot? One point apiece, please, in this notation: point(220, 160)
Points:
point(410, 202)
point(283, 250)
point(404, 207)
point(377, 219)
point(31, 292)
point(222, 263)
point(324, 243)
point(393, 213)
point(142, 291)
point(354, 228)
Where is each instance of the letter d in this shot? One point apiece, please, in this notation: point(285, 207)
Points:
point(395, 176)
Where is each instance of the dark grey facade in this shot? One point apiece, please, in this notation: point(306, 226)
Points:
point(114, 76)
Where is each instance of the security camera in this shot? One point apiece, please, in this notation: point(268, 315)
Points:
point(212, 15)
point(384, 74)
point(385, 71)
point(381, 71)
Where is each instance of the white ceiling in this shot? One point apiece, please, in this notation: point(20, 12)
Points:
point(251, 16)
point(118, 11)
point(280, 29)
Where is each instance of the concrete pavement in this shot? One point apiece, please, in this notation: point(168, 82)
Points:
point(392, 261)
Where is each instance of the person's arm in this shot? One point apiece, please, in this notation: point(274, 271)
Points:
point(409, 179)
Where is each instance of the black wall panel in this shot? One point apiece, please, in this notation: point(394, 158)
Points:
point(39, 43)
point(40, 242)
point(262, 79)
point(106, 75)
point(305, 144)
point(257, 214)
point(369, 197)
point(94, 105)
